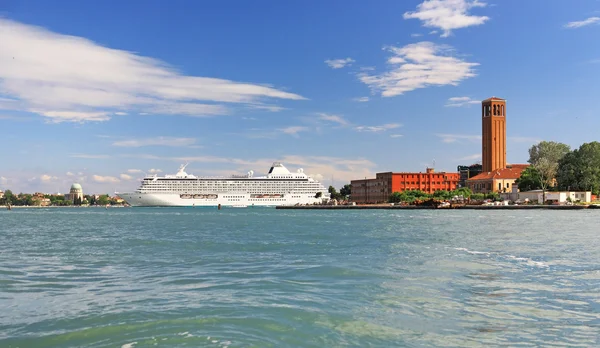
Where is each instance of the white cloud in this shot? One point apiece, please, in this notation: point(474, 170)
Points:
point(294, 130)
point(47, 178)
point(447, 15)
point(126, 177)
point(70, 174)
point(361, 99)
point(157, 141)
point(69, 78)
point(461, 101)
point(120, 113)
point(396, 135)
point(3, 180)
point(333, 118)
point(416, 66)
point(339, 63)
point(105, 179)
point(376, 129)
point(73, 116)
point(134, 171)
point(473, 157)
point(583, 23)
point(89, 156)
point(154, 171)
point(416, 35)
point(452, 138)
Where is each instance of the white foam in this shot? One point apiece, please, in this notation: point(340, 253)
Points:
point(528, 261)
point(473, 252)
point(129, 345)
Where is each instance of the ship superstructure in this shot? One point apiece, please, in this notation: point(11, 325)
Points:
point(278, 187)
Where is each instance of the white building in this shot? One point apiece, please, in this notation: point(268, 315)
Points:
point(555, 197)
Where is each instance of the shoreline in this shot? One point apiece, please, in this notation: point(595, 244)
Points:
point(466, 207)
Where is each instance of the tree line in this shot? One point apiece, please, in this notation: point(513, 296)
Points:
point(26, 199)
point(554, 166)
point(464, 193)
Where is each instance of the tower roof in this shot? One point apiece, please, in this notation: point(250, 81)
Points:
point(492, 99)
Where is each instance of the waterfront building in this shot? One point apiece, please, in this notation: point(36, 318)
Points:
point(1, 194)
point(499, 180)
point(552, 197)
point(467, 172)
point(496, 175)
point(379, 189)
point(75, 195)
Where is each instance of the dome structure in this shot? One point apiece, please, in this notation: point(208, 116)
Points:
point(75, 195)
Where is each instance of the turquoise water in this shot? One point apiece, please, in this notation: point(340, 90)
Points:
point(171, 277)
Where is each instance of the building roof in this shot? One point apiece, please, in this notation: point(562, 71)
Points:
point(492, 98)
point(513, 172)
point(76, 186)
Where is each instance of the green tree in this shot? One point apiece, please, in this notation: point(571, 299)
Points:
point(442, 194)
point(529, 179)
point(319, 195)
point(91, 199)
point(346, 191)
point(397, 197)
point(333, 193)
point(580, 169)
point(104, 200)
point(408, 196)
point(8, 198)
point(544, 157)
point(477, 196)
point(463, 191)
point(494, 196)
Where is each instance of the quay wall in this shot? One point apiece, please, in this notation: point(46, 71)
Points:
point(468, 207)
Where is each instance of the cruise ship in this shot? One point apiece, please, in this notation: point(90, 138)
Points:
point(278, 187)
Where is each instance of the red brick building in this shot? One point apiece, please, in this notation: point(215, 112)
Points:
point(378, 190)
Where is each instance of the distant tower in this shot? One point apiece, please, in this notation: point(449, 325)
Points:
point(493, 135)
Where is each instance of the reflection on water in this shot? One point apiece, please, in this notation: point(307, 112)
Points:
point(268, 278)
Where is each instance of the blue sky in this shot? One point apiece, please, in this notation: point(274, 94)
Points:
point(102, 92)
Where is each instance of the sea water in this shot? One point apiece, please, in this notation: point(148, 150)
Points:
point(260, 277)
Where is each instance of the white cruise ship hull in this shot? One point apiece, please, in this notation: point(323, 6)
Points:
point(224, 199)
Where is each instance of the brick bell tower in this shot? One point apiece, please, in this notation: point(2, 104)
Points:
point(493, 135)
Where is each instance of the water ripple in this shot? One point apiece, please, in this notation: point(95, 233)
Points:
point(267, 278)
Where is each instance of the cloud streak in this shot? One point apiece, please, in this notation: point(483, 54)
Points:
point(447, 15)
point(105, 179)
point(377, 129)
point(333, 118)
point(583, 23)
point(461, 101)
point(416, 66)
point(71, 79)
point(339, 63)
point(158, 141)
point(453, 138)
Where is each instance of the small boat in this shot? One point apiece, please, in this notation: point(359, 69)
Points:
point(239, 206)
